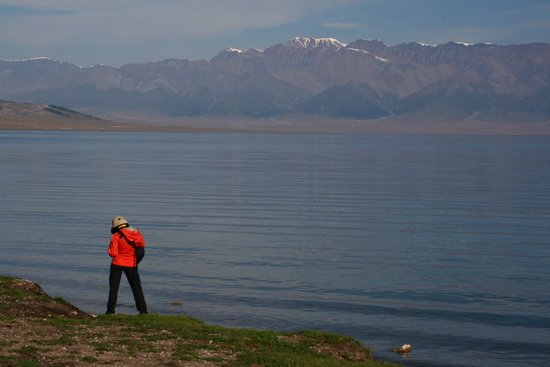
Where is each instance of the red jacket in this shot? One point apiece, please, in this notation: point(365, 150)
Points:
point(121, 251)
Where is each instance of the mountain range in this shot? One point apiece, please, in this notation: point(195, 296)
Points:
point(365, 79)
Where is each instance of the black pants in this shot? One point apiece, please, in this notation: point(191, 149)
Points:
point(135, 283)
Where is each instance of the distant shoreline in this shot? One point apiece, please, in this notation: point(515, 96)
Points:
point(312, 125)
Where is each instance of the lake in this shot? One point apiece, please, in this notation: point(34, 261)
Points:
point(442, 242)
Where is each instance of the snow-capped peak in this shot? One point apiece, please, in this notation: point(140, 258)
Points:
point(29, 59)
point(236, 50)
point(463, 43)
point(307, 42)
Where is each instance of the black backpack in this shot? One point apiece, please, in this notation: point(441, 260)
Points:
point(140, 251)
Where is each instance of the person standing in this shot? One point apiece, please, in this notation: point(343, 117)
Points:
point(126, 243)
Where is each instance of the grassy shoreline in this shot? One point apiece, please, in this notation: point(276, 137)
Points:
point(40, 330)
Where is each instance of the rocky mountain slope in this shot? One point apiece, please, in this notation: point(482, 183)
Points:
point(363, 79)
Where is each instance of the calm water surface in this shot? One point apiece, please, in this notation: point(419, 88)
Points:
point(440, 242)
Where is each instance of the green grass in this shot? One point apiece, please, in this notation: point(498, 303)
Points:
point(251, 347)
point(7, 343)
point(65, 324)
point(28, 350)
point(103, 346)
point(185, 338)
point(7, 291)
point(6, 279)
point(28, 357)
point(13, 362)
point(134, 346)
point(89, 359)
point(12, 294)
point(185, 352)
point(62, 340)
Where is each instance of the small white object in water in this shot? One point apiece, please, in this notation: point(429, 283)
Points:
point(405, 348)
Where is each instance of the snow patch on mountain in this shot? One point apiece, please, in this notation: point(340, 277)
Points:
point(357, 50)
point(466, 44)
point(28, 59)
point(309, 43)
point(367, 53)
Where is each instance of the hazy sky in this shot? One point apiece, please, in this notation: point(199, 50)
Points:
point(116, 32)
